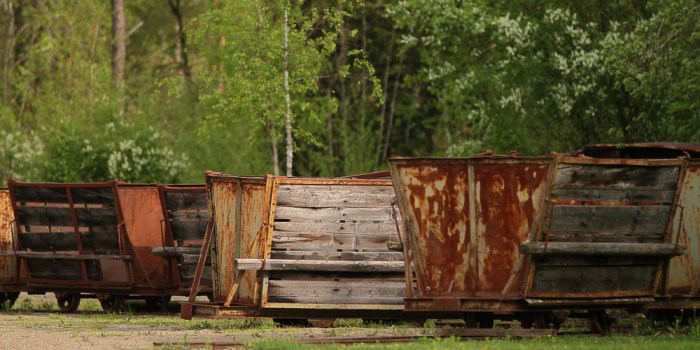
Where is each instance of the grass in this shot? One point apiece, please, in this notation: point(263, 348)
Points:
point(634, 332)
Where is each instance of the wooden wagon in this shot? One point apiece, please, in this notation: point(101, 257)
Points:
point(302, 248)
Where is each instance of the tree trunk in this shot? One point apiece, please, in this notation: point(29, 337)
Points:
point(287, 98)
point(8, 61)
point(273, 148)
point(119, 42)
point(182, 40)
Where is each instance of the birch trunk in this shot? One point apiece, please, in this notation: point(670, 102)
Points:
point(287, 99)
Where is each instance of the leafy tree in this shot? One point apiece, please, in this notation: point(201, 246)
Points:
point(658, 66)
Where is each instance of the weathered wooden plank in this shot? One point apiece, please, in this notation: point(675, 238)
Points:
point(61, 269)
point(606, 238)
point(333, 242)
point(614, 195)
point(187, 272)
point(336, 292)
point(93, 195)
point(332, 256)
point(318, 265)
point(192, 259)
point(616, 176)
point(44, 216)
point(652, 249)
point(188, 215)
point(185, 200)
point(188, 229)
point(609, 219)
point(96, 216)
point(58, 256)
point(333, 214)
point(593, 279)
point(598, 260)
point(40, 194)
point(346, 276)
point(176, 251)
point(384, 226)
point(102, 241)
point(324, 196)
point(49, 241)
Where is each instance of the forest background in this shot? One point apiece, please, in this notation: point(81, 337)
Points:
point(159, 91)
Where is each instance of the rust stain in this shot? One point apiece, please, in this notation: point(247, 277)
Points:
point(437, 198)
point(684, 270)
point(7, 264)
point(508, 200)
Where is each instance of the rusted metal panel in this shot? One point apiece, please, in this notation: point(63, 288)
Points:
point(143, 215)
point(236, 205)
point(8, 264)
point(684, 271)
point(465, 220)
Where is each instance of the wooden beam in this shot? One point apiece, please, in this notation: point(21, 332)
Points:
point(56, 256)
point(581, 248)
point(175, 251)
point(318, 265)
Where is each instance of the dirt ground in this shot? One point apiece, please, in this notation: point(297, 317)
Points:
point(32, 324)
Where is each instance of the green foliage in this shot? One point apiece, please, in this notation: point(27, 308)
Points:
point(657, 65)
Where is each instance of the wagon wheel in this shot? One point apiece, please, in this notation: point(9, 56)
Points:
point(479, 319)
point(67, 302)
point(542, 320)
point(7, 299)
point(291, 322)
point(599, 322)
point(111, 302)
point(157, 302)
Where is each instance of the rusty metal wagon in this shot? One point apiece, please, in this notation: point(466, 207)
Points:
point(302, 248)
point(517, 237)
point(92, 240)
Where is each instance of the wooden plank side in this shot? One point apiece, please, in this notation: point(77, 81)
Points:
point(187, 273)
point(609, 219)
point(614, 195)
point(185, 200)
point(49, 241)
point(336, 292)
point(40, 194)
point(606, 238)
point(331, 242)
point(333, 214)
point(336, 227)
point(61, 269)
point(324, 196)
point(616, 176)
point(593, 279)
point(188, 229)
point(338, 256)
point(101, 242)
point(93, 195)
point(44, 216)
point(188, 215)
point(318, 265)
point(96, 216)
point(597, 260)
